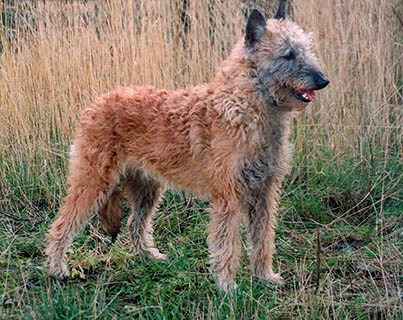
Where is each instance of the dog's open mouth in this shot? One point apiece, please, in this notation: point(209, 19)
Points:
point(305, 96)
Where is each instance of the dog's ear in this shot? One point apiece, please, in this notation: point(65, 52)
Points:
point(281, 10)
point(255, 28)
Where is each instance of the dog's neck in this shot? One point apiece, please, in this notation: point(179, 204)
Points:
point(266, 125)
point(238, 75)
point(268, 99)
point(240, 69)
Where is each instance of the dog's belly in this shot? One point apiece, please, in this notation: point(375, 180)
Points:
point(188, 176)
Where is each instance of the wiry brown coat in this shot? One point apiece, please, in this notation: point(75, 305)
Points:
point(227, 140)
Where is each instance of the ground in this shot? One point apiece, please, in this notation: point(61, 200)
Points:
point(359, 271)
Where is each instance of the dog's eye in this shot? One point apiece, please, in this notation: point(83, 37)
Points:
point(289, 56)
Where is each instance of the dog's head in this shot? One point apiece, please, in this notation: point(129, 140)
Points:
point(286, 66)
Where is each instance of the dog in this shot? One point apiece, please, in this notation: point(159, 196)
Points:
point(227, 140)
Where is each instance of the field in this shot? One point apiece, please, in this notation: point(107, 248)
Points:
point(340, 230)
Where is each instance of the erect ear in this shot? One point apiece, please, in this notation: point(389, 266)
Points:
point(255, 28)
point(281, 10)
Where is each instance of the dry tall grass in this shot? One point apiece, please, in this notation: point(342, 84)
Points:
point(77, 50)
point(65, 53)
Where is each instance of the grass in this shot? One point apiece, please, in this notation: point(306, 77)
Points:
point(346, 180)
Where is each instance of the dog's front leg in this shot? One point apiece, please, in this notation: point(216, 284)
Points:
point(261, 218)
point(224, 242)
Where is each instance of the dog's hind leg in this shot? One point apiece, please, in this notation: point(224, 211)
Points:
point(111, 213)
point(89, 190)
point(143, 193)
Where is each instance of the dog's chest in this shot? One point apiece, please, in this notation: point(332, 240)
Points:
point(269, 160)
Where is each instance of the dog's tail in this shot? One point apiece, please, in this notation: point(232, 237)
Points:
point(111, 214)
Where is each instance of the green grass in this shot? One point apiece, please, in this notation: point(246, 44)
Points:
point(358, 212)
point(346, 178)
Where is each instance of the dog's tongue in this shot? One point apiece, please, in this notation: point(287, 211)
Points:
point(310, 94)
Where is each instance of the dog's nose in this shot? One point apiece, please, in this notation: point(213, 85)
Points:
point(321, 80)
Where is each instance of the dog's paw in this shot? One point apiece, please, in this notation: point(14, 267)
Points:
point(154, 253)
point(269, 276)
point(225, 285)
point(275, 279)
point(59, 271)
